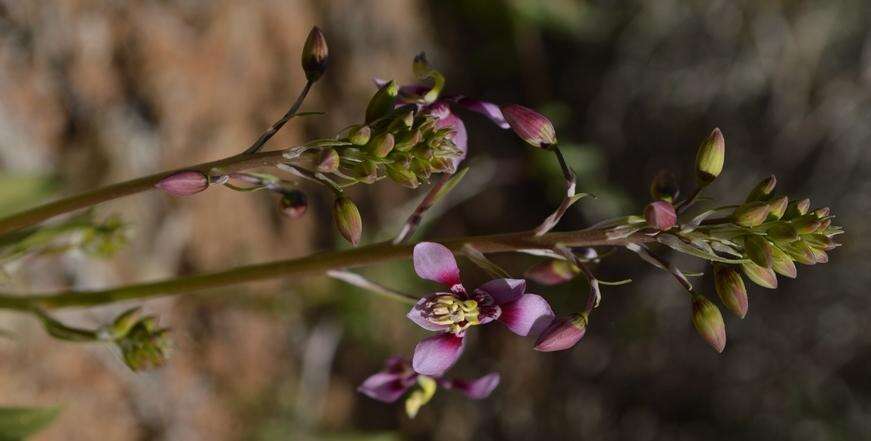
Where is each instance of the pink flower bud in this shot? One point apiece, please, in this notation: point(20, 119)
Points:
point(562, 333)
point(184, 183)
point(730, 287)
point(530, 126)
point(552, 272)
point(294, 204)
point(709, 322)
point(660, 215)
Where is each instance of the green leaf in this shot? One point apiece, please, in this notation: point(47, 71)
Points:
point(17, 423)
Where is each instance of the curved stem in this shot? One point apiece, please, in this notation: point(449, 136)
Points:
point(258, 144)
point(83, 200)
point(312, 265)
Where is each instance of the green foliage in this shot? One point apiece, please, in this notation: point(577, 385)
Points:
point(17, 423)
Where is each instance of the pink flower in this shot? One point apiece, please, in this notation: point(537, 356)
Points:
point(397, 377)
point(452, 312)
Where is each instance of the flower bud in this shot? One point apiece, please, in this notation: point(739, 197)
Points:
point(806, 224)
point(664, 186)
point(562, 333)
point(530, 126)
point(782, 232)
point(293, 204)
point(709, 322)
point(763, 277)
point(552, 272)
point(359, 135)
point(329, 161)
point(782, 264)
point(776, 207)
point(184, 183)
point(660, 215)
point(710, 157)
point(348, 220)
point(382, 102)
point(731, 289)
point(404, 118)
point(762, 190)
point(751, 214)
point(821, 213)
point(402, 176)
point(381, 145)
point(820, 256)
point(820, 241)
point(758, 250)
point(315, 54)
point(797, 208)
point(407, 139)
point(800, 251)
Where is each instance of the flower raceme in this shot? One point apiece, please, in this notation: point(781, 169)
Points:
point(452, 312)
point(397, 378)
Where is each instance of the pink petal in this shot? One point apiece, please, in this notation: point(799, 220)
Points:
point(476, 389)
point(385, 386)
point(504, 290)
point(460, 137)
point(417, 317)
point(433, 356)
point(530, 314)
point(485, 108)
point(433, 261)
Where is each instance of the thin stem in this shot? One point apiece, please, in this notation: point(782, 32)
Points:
point(83, 200)
point(311, 265)
point(270, 132)
point(683, 206)
point(362, 282)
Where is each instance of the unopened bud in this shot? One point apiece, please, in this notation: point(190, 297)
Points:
point(797, 208)
point(359, 135)
point(758, 250)
point(806, 224)
point(820, 256)
point(664, 186)
point(800, 251)
point(777, 207)
point(293, 204)
point(761, 276)
point(381, 145)
point(660, 215)
point(762, 190)
point(731, 289)
point(782, 264)
point(552, 272)
point(821, 213)
point(315, 54)
point(820, 241)
point(404, 118)
point(709, 322)
point(403, 176)
point(124, 322)
point(184, 183)
point(751, 214)
point(407, 139)
point(329, 161)
point(562, 333)
point(710, 157)
point(530, 126)
point(382, 102)
point(782, 232)
point(348, 220)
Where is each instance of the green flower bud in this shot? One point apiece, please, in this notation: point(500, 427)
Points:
point(806, 224)
point(751, 214)
point(359, 135)
point(710, 157)
point(403, 120)
point(315, 54)
point(709, 322)
point(407, 139)
point(797, 208)
point(763, 277)
point(822, 213)
point(664, 186)
point(776, 207)
point(382, 102)
point(820, 241)
point(730, 288)
point(381, 145)
point(402, 176)
point(782, 264)
point(328, 161)
point(782, 232)
point(800, 251)
point(762, 190)
point(348, 220)
point(758, 250)
point(820, 256)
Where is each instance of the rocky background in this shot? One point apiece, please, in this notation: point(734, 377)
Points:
point(94, 92)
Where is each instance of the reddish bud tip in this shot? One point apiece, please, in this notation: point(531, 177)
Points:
point(184, 183)
point(348, 220)
point(562, 333)
point(710, 157)
point(315, 54)
point(530, 126)
point(731, 290)
point(660, 215)
point(709, 322)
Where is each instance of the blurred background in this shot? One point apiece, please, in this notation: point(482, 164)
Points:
point(94, 92)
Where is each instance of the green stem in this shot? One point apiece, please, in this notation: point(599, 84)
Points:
point(83, 200)
point(311, 265)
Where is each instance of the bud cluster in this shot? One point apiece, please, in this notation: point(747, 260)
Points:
point(143, 343)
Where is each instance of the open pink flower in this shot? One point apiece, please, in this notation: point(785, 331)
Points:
point(397, 377)
point(452, 312)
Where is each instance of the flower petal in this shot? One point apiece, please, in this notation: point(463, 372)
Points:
point(417, 317)
point(433, 356)
point(530, 314)
point(460, 137)
point(476, 389)
point(433, 261)
point(485, 108)
point(385, 386)
point(504, 290)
